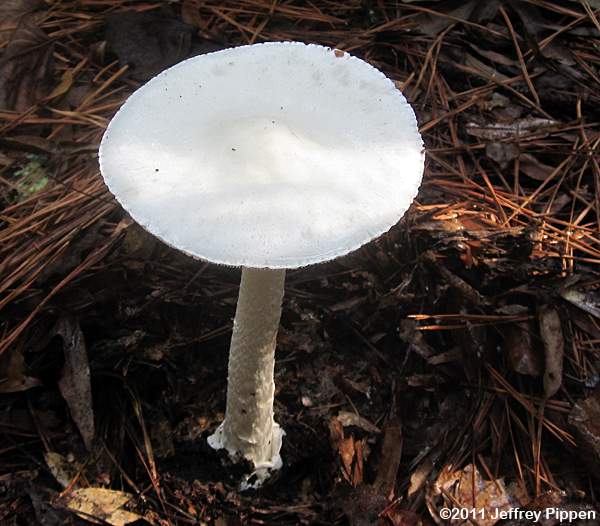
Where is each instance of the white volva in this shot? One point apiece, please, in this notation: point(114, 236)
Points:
point(267, 157)
point(249, 428)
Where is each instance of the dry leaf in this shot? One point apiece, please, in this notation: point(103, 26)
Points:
point(533, 168)
point(391, 453)
point(66, 81)
point(420, 475)
point(29, 143)
point(479, 67)
point(101, 504)
point(351, 452)
point(552, 336)
point(12, 373)
point(498, 131)
point(45, 513)
point(357, 472)
point(352, 419)
point(62, 470)
point(26, 62)
point(462, 486)
point(415, 339)
point(502, 152)
point(432, 25)
point(588, 300)
point(190, 14)
point(12, 13)
point(585, 417)
point(74, 384)
point(522, 355)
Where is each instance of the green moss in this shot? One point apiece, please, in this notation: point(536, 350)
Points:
point(32, 177)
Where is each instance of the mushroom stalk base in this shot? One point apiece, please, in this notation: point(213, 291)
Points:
point(249, 430)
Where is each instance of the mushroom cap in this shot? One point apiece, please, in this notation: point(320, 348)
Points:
point(275, 155)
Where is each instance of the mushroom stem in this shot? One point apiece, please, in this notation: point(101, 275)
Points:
point(249, 429)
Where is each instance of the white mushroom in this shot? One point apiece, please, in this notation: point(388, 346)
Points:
point(267, 157)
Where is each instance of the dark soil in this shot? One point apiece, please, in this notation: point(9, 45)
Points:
point(454, 362)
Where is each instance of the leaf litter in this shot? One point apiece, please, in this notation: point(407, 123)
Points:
point(100, 506)
point(455, 358)
point(74, 383)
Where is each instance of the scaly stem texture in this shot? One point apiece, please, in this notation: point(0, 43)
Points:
point(249, 428)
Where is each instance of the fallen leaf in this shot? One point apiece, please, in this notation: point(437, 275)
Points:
point(453, 355)
point(29, 143)
point(26, 63)
point(502, 152)
point(585, 418)
point(498, 131)
point(414, 338)
point(493, 56)
point(350, 386)
point(552, 337)
point(62, 470)
point(588, 300)
point(469, 293)
point(458, 488)
point(391, 453)
point(190, 14)
point(74, 384)
point(584, 321)
point(485, 71)
point(357, 472)
point(138, 243)
point(420, 475)
point(104, 505)
point(12, 373)
point(45, 514)
point(532, 167)
point(433, 24)
point(66, 81)
point(351, 452)
point(352, 419)
point(63, 86)
point(523, 356)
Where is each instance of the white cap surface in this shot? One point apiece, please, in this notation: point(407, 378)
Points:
point(274, 155)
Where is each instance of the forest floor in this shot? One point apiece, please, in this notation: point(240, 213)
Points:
point(452, 363)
